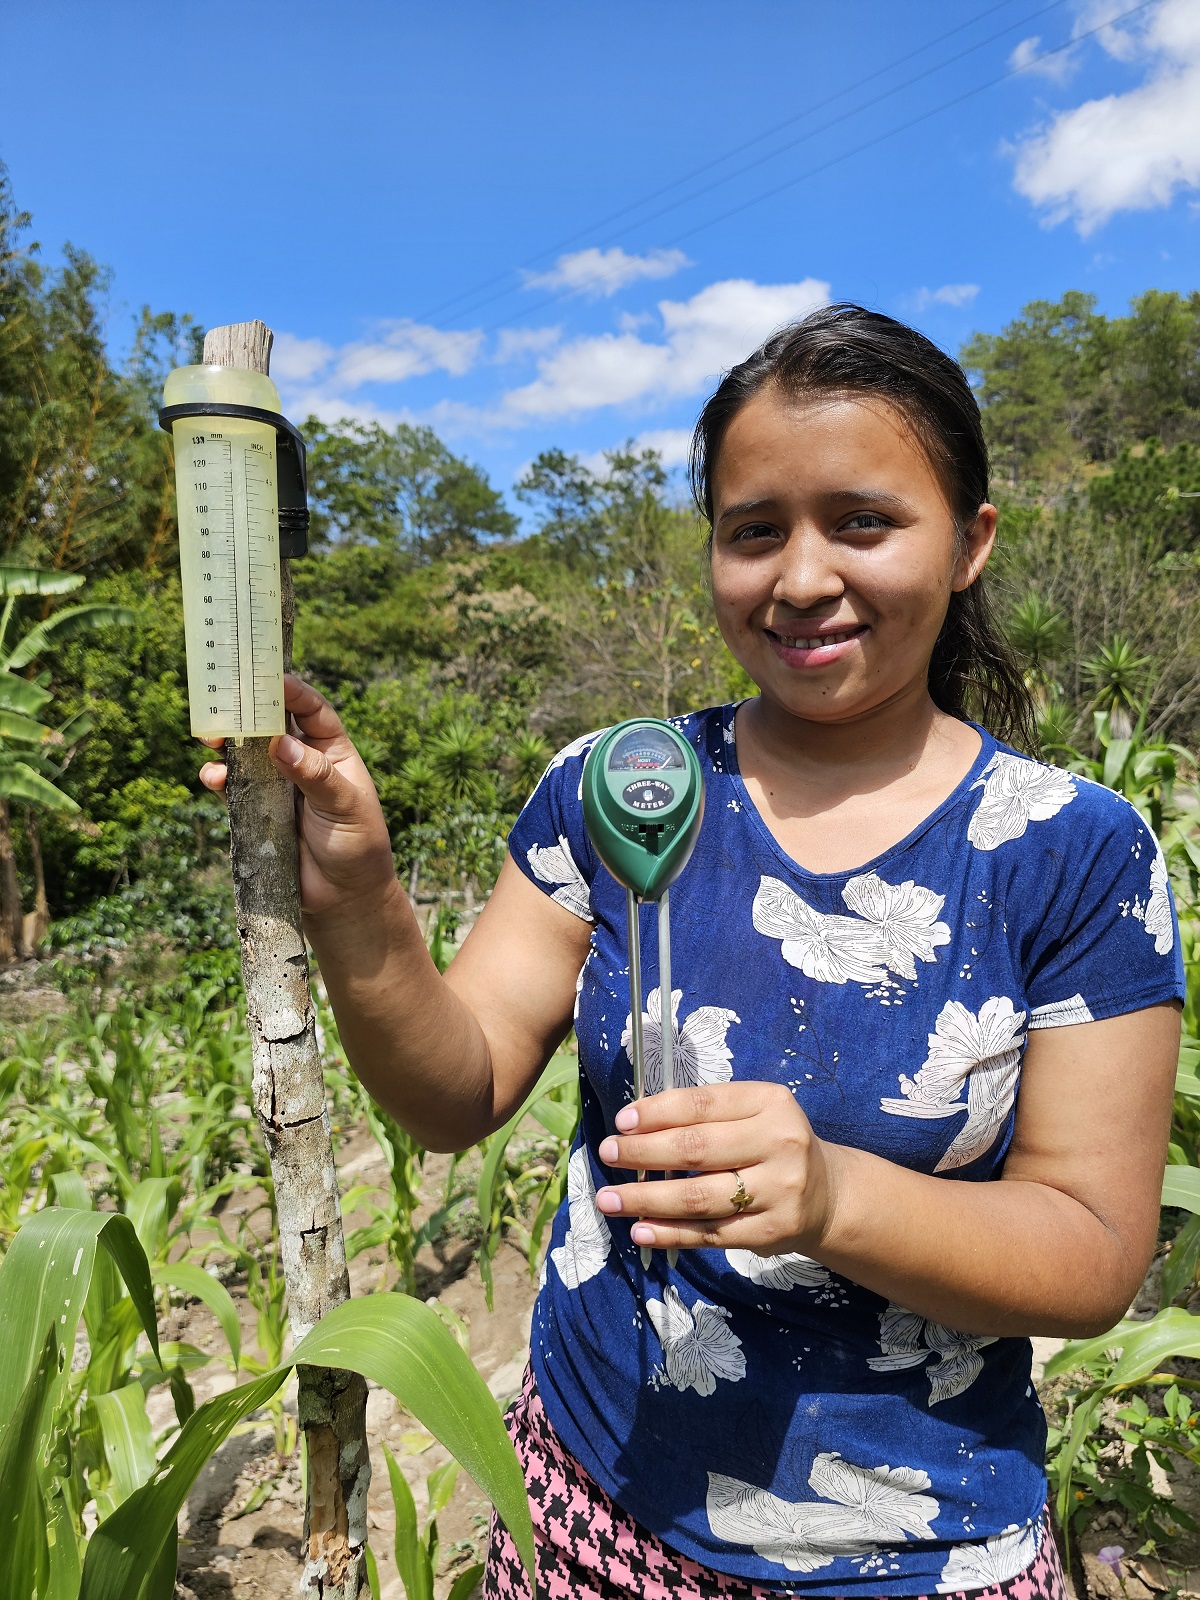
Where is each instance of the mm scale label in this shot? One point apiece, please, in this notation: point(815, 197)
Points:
point(229, 566)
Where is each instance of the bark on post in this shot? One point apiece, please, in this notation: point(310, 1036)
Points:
point(289, 1098)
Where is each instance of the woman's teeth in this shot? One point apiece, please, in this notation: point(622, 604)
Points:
point(815, 644)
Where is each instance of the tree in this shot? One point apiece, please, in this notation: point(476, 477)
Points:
point(403, 488)
point(27, 772)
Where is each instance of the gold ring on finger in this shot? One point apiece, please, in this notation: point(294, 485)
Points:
point(739, 1199)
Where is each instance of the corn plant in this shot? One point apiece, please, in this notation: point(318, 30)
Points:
point(71, 1439)
point(416, 1552)
point(507, 1191)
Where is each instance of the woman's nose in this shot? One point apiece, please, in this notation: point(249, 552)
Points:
point(807, 573)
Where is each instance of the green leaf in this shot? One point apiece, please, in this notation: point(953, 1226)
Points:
point(412, 1560)
point(15, 726)
point(150, 1207)
point(44, 1280)
point(192, 1280)
point(37, 580)
point(71, 1191)
point(464, 1585)
point(127, 1547)
point(128, 1441)
point(1173, 1332)
point(405, 1347)
point(18, 781)
point(65, 625)
point(1078, 1352)
point(1179, 1269)
point(440, 1486)
point(373, 1572)
point(398, 1343)
point(21, 694)
point(1181, 1187)
point(24, 1550)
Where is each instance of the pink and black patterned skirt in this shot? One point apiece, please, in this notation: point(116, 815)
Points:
point(589, 1549)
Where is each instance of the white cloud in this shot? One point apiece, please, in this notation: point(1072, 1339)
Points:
point(514, 344)
point(950, 294)
point(407, 350)
point(704, 336)
point(1057, 65)
point(603, 272)
point(297, 359)
point(1124, 152)
point(671, 445)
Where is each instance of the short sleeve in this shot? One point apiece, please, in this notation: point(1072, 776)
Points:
point(549, 841)
point(1109, 941)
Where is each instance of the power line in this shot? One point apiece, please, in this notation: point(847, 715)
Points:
point(845, 155)
point(505, 278)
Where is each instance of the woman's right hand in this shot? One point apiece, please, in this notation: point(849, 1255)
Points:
point(345, 851)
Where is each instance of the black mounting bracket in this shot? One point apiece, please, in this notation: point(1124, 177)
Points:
point(290, 455)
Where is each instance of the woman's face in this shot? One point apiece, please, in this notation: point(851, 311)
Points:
point(834, 553)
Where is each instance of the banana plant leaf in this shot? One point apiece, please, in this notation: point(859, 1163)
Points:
point(37, 580)
point(398, 1343)
point(20, 694)
point(65, 625)
point(18, 781)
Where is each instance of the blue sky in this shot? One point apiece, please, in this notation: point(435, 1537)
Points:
point(442, 208)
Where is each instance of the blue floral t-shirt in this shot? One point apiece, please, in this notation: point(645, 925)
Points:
point(761, 1414)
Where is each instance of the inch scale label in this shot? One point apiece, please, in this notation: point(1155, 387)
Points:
point(229, 566)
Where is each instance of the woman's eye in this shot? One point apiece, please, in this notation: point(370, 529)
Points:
point(865, 522)
point(753, 530)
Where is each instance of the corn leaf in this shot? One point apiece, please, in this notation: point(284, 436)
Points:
point(398, 1343)
point(464, 1585)
point(412, 1562)
point(128, 1441)
point(192, 1280)
point(405, 1347)
point(1181, 1187)
point(24, 1550)
point(44, 1280)
point(126, 1549)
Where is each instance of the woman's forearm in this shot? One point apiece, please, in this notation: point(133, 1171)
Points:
point(416, 1046)
point(1004, 1257)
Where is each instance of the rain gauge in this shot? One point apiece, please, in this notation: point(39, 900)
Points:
point(241, 490)
point(643, 803)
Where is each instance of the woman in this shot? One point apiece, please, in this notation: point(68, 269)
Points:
point(891, 924)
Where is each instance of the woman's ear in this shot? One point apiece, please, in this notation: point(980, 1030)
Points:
point(978, 540)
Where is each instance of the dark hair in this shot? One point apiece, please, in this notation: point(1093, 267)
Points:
point(845, 349)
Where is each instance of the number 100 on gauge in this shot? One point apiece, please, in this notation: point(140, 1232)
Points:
point(226, 487)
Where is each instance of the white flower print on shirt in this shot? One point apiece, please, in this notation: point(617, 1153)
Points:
point(908, 1340)
point(896, 925)
point(554, 863)
point(870, 1506)
point(988, 1565)
point(701, 1054)
point(1016, 792)
point(827, 947)
point(790, 1271)
point(905, 915)
point(697, 1345)
point(585, 1248)
point(1157, 920)
point(979, 1052)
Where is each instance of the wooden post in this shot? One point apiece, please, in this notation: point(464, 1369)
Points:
point(289, 1098)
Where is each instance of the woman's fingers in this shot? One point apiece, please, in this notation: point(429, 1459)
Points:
point(705, 1198)
point(318, 778)
point(315, 717)
point(702, 1147)
point(212, 776)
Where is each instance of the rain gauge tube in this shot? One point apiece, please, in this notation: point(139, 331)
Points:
point(230, 444)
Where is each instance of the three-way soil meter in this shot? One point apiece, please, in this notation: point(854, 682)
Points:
point(643, 802)
point(242, 498)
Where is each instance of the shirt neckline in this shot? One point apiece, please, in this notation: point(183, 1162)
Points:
point(987, 749)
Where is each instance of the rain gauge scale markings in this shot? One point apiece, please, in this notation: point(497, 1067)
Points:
point(227, 487)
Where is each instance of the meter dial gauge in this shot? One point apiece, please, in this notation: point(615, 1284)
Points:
point(645, 750)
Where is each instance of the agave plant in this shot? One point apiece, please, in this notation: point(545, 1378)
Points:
point(1118, 675)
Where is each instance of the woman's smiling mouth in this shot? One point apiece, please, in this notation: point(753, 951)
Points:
point(818, 648)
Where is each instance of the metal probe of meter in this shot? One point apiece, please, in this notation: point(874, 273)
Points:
point(643, 802)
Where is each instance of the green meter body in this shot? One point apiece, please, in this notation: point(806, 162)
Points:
point(643, 802)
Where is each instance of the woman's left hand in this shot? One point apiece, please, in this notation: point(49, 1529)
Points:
point(713, 1134)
